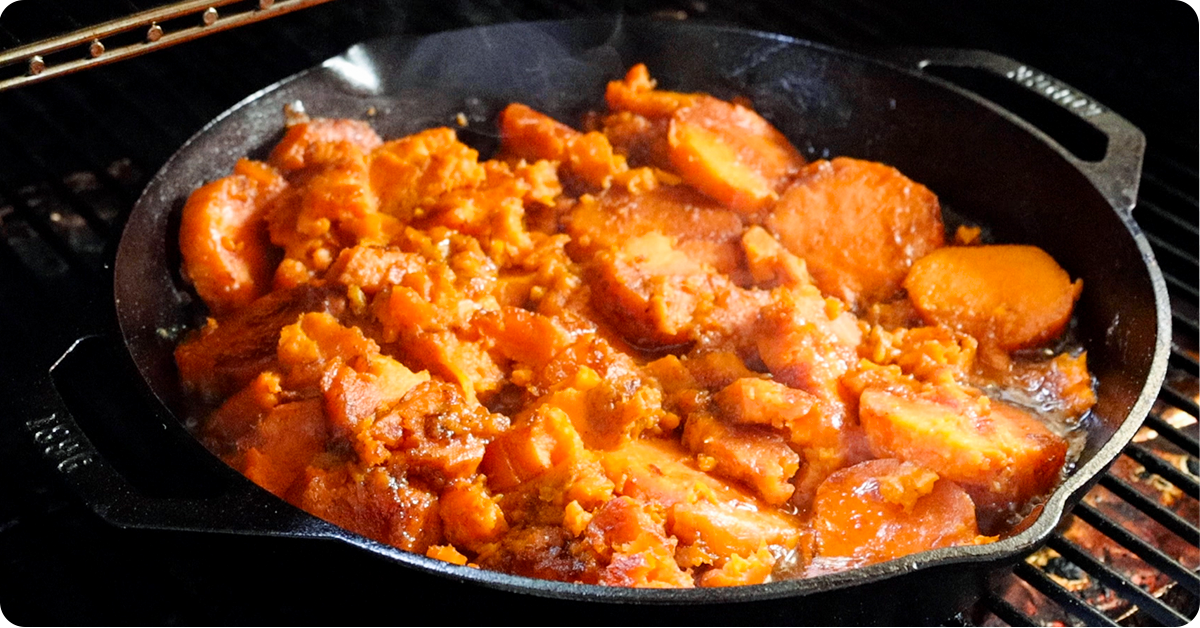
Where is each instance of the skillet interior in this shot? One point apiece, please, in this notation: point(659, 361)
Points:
point(989, 167)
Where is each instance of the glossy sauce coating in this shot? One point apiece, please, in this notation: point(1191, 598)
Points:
point(662, 351)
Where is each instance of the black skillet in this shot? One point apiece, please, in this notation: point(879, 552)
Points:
point(992, 167)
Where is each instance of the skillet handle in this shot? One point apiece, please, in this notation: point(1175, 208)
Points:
point(239, 507)
point(1116, 173)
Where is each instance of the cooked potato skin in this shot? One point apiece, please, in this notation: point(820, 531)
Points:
point(661, 350)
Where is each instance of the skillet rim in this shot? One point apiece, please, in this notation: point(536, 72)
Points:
point(1002, 551)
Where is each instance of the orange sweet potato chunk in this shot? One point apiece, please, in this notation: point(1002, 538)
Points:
point(373, 504)
point(284, 443)
point(704, 230)
point(1013, 296)
point(531, 135)
point(731, 153)
point(883, 509)
point(541, 441)
point(649, 290)
point(471, 518)
point(637, 548)
point(637, 94)
point(223, 238)
point(724, 519)
point(859, 225)
point(796, 413)
point(1001, 455)
point(414, 171)
point(316, 142)
point(754, 456)
point(223, 357)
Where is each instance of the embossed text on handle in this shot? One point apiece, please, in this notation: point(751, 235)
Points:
point(1054, 91)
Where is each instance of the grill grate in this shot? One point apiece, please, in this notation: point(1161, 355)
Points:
point(76, 151)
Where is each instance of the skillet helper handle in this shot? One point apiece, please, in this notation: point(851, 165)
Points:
point(1116, 174)
point(242, 508)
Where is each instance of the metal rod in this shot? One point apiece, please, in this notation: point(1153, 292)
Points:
point(1144, 550)
point(1004, 610)
point(1055, 591)
point(1113, 580)
point(1156, 465)
point(1167, 519)
point(209, 20)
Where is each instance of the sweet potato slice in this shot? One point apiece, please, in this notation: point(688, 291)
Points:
point(283, 444)
point(639, 552)
point(722, 518)
point(883, 509)
point(1012, 296)
point(224, 357)
point(752, 455)
point(532, 135)
point(637, 94)
point(859, 225)
point(415, 171)
point(315, 142)
point(796, 413)
point(703, 230)
point(649, 290)
point(223, 237)
point(374, 504)
point(731, 153)
point(1001, 455)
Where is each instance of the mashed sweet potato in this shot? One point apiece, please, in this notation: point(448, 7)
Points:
point(663, 351)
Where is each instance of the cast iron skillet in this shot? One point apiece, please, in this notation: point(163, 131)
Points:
point(989, 165)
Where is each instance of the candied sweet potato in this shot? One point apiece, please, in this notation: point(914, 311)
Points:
point(859, 225)
point(316, 142)
point(1012, 296)
point(531, 135)
point(223, 237)
point(223, 357)
point(1000, 454)
point(724, 519)
point(702, 229)
point(556, 365)
point(731, 153)
point(636, 93)
point(883, 509)
point(752, 455)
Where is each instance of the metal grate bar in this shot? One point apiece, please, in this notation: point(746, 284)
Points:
point(95, 162)
point(1183, 323)
point(91, 161)
point(1007, 613)
point(1169, 432)
point(1168, 519)
point(1171, 256)
point(1184, 360)
point(102, 228)
point(1184, 441)
point(1152, 555)
point(1172, 192)
point(1115, 581)
point(1179, 284)
point(1177, 399)
point(1145, 204)
point(1053, 590)
point(1157, 465)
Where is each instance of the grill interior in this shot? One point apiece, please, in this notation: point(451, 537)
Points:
point(76, 151)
